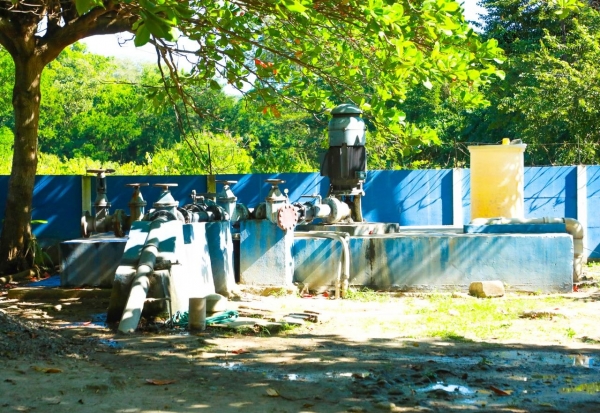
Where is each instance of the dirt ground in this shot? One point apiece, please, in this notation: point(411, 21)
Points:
point(57, 355)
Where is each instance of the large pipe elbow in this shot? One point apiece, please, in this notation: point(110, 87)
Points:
point(574, 228)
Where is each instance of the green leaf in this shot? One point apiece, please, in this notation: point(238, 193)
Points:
point(83, 6)
point(295, 6)
point(142, 36)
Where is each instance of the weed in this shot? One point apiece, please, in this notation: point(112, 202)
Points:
point(570, 332)
point(366, 295)
point(277, 292)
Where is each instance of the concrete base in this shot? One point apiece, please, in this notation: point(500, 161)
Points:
point(361, 228)
point(90, 261)
point(441, 261)
point(516, 229)
point(220, 248)
point(189, 273)
point(265, 254)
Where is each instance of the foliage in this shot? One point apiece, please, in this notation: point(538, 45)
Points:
point(312, 54)
point(548, 96)
point(316, 54)
point(202, 153)
point(6, 142)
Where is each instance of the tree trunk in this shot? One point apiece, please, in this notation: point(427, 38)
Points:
point(15, 254)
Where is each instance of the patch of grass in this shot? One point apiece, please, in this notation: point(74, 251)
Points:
point(366, 295)
point(468, 319)
point(277, 292)
point(448, 335)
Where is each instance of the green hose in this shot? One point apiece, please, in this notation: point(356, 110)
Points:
point(181, 319)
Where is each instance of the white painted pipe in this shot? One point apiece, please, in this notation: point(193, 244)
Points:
point(141, 281)
point(197, 314)
point(343, 276)
point(573, 227)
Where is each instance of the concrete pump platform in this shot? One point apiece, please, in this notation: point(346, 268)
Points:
point(430, 261)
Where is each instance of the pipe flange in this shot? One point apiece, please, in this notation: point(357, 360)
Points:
point(287, 218)
point(260, 212)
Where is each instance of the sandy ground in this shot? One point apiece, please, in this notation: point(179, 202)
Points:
point(66, 360)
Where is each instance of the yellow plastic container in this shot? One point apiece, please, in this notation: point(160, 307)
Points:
point(497, 181)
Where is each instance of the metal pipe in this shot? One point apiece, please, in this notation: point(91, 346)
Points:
point(343, 276)
point(573, 227)
point(141, 281)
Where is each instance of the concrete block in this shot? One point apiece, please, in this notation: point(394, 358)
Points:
point(220, 248)
point(185, 269)
point(441, 261)
point(90, 261)
point(516, 229)
point(358, 228)
point(265, 254)
point(486, 289)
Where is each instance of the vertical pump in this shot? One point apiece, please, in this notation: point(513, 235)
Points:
point(345, 162)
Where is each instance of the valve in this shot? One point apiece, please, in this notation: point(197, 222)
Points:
point(278, 209)
point(203, 209)
point(136, 203)
point(226, 199)
point(102, 221)
point(166, 206)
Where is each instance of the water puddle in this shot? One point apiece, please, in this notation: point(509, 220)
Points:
point(300, 377)
point(449, 388)
point(583, 361)
point(233, 366)
point(110, 343)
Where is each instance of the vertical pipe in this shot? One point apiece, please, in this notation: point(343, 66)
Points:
point(86, 194)
point(197, 314)
point(582, 207)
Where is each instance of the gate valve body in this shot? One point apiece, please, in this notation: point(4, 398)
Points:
point(166, 206)
point(226, 199)
point(102, 221)
point(278, 209)
point(137, 205)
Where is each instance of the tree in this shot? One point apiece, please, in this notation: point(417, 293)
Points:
point(311, 53)
point(548, 97)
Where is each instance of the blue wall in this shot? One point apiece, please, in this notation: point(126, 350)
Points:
point(593, 217)
point(422, 197)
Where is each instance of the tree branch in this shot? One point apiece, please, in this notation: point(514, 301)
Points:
point(98, 21)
